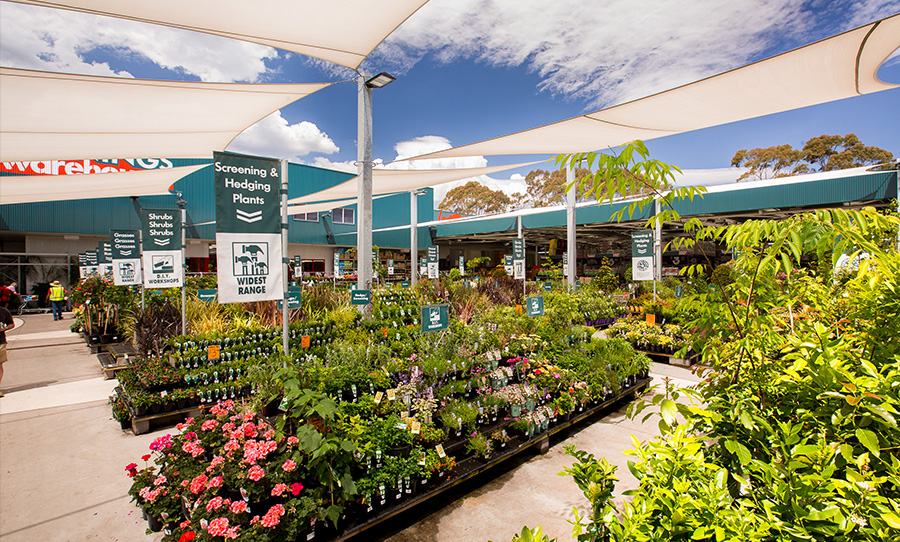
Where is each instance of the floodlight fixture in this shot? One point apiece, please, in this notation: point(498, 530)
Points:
point(380, 80)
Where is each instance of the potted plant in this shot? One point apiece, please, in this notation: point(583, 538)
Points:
point(479, 446)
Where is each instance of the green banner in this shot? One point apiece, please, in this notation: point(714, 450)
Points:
point(293, 299)
point(360, 297)
point(534, 306)
point(161, 243)
point(248, 227)
point(435, 317)
point(207, 295)
point(518, 249)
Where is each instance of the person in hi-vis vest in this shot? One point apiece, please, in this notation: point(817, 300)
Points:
point(57, 296)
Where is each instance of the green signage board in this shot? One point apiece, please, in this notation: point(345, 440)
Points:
point(679, 290)
point(360, 297)
point(518, 249)
point(161, 230)
point(641, 244)
point(293, 299)
point(207, 295)
point(435, 317)
point(534, 306)
point(548, 286)
point(404, 284)
point(432, 253)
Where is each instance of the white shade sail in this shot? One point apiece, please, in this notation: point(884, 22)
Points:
point(339, 31)
point(840, 67)
point(61, 116)
point(389, 181)
point(33, 188)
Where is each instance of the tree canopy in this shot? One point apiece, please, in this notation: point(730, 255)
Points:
point(821, 153)
point(474, 198)
point(545, 188)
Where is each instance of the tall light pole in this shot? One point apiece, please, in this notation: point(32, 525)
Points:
point(181, 203)
point(414, 235)
point(365, 84)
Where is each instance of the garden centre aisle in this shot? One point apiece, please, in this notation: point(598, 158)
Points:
point(62, 458)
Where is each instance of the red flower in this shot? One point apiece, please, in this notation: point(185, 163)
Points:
point(146, 457)
point(131, 466)
point(187, 537)
point(296, 488)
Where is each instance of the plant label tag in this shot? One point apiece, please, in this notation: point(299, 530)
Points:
point(163, 393)
point(401, 426)
point(422, 459)
point(416, 428)
point(392, 395)
point(440, 451)
point(244, 495)
point(378, 397)
point(212, 352)
point(404, 415)
point(283, 405)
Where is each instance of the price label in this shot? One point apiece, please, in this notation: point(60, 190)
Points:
point(304, 341)
point(440, 451)
point(212, 351)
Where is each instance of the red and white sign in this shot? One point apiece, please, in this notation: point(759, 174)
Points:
point(83, 167)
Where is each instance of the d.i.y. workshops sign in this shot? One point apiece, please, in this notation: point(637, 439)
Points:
point(248, 228)
point(161, 243)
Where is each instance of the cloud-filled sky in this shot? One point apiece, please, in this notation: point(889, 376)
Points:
point(469, 70)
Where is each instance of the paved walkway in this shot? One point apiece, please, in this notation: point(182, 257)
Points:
point(62, 458)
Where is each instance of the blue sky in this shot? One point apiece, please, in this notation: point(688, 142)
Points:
point(469, 70)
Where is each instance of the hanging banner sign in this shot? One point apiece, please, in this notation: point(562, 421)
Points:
point(534, 306)
point(104, 257)
point(435, 317)
point(248, 228)
point(298, 266)
point(360, 297)
point(126, 257)
point(85, 267)
point(565, 264)
point(519, 259)
point(337, 264)
point(432, 261)
point(462, 265)
point(161, 248)
point(508, 264)
point(642, 255)
point(390, 267)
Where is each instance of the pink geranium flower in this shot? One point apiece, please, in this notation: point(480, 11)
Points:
point(289, 465)
point(256, 473)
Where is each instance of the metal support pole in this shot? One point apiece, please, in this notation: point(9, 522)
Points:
point(181, 203)
point(657, 249)
point(570, 226)
point(364, 184)
point(413, 237)
point(141, 263)
point(285, 334)
point(519, 235)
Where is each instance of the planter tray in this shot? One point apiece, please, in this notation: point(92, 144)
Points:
point(119, 350)
point(143, 424)
point(671, 359)
point(97, 348)
point(469, 468)
point(111, 365)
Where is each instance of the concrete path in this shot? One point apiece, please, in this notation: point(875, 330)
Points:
point(62, 458)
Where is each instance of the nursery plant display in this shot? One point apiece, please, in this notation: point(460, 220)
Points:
point(376, 415)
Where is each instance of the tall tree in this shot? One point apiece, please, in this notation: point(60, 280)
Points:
point(546, 188)
point(474, 198)
point(831, 152)
point(821, 153)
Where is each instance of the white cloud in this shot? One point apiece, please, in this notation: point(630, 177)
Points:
point(613, 51)
point(273, 136)
point(322, 162)
point(427, 144)
point(57, 40)
point(708, 177)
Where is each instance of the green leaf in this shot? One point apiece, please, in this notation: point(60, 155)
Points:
point(668, 410)
point(869, 440)
point(891, 519)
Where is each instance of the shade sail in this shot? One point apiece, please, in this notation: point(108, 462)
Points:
point(34, 188)
point(832, 69)
point(343, 32)
point(57, 116)
point(389, 181)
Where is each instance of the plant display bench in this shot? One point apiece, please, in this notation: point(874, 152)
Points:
point(116, 358)
point(141, 425)
point(97, 346)
point(671, 359)
point(470, 467)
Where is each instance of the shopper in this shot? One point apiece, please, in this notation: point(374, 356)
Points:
point(57, 296)
point(6, 323)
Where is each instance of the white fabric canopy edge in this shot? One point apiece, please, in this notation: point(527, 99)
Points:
point(835, 68)
point(40, 188)
point(389, 181)
point(343, 32)
point(57, 116)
